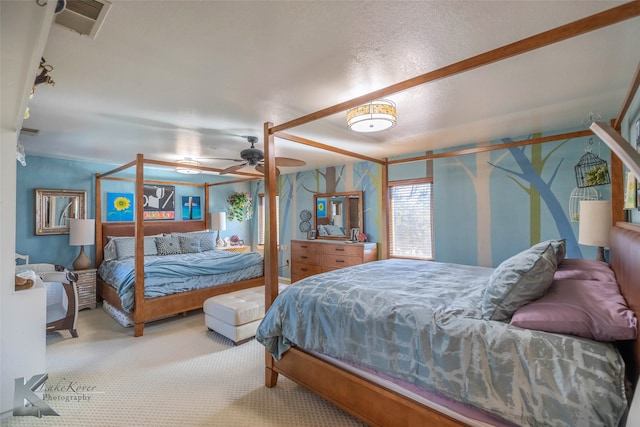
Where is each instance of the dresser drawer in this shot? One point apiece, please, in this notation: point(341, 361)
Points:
point(340, 261)
point(305, 257)
point(300, 271)
point(297, 246)
point(342, 250)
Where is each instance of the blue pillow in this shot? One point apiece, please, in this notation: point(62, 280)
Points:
point(168, 245)
point(517, 281)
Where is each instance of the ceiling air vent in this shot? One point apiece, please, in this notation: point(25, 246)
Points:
point(84, 16)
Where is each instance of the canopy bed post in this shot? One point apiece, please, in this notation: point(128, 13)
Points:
point(205, 211)
point(138, 312)
point(384, 244)
point(98, 222)
point(271, 239)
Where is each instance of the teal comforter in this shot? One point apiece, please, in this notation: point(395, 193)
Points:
point(421, 322)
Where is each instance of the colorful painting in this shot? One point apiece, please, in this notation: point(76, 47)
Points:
point(191, 207)
point(159, 202)
point(119, 206)
point(630, 196)
point(322, 208)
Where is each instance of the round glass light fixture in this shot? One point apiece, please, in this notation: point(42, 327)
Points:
point(186, 167)
point(372, 117)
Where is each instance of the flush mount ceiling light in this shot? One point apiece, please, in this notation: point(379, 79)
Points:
point(186, 167)
point(372, 117)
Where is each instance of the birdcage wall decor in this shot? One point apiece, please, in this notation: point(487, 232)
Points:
point(591, 170)
point(578, 194)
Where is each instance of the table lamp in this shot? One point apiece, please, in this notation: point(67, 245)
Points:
point(594, 224)
point(82, 232)
point(219, 222)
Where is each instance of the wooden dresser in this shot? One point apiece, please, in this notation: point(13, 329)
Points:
point(309, 257)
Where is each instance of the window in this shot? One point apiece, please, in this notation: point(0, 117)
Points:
point(410, 230)
point(261, 218)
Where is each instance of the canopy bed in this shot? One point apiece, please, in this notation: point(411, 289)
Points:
point(360, 392)
point(177, 259)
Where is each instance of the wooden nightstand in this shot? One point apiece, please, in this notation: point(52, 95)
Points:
point(235, 248)
point(86, 288)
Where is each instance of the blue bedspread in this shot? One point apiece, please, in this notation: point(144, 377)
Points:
point(169, 274)
point(421, 322)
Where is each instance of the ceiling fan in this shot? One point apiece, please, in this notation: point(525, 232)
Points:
point(255, 157)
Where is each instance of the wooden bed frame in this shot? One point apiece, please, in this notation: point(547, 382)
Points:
point(146, 310)
point(366, 400)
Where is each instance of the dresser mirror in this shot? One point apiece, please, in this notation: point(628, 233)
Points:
point(54, 209)
point(338, 213)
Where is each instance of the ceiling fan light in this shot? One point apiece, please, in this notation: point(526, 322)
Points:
point(372, 117)
point(186, 167)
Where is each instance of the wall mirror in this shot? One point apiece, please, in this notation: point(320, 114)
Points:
point(54, 209)
point(337, 214)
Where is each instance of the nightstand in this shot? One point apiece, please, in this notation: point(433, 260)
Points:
point(235, 248)
point(86, 288)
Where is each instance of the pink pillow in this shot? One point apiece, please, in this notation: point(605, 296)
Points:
point(585, 308)
point(587, 269)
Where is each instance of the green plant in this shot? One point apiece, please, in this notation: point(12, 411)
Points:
point(241, 207)
point(596, 176)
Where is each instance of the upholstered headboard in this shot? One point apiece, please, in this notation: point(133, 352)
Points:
point(624, 257)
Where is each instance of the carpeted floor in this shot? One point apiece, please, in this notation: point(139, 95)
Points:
point(177, 374)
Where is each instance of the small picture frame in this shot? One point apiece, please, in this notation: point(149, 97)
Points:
point(354, 234)
point(311, 234)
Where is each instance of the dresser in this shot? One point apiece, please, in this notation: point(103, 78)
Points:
point(86, 288)
point(309, 257)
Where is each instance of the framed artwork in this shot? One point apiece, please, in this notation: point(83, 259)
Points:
point(321, 207)
point(191, 207)
point(120, 206)
point(311, 234)
point(630, 192)
point(159, 202)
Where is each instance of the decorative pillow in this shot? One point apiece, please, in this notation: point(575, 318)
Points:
point(207, 239)
point(585, 308)
point(168, 245)
point(584, 269)
point(126, 246)
point(559, 247)
point(189, 245)
point(110, 252)
point(322, 231)
point(518, 280)
point(334, 230)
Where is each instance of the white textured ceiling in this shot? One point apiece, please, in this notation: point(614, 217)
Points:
point(174, 79)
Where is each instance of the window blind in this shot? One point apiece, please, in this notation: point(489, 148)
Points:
point(410, 231)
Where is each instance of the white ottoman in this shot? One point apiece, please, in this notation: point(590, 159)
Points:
point(236, 315)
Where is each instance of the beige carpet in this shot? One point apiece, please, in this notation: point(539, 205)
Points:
point(177, 374)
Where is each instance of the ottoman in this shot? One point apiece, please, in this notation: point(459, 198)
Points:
point(236, 315)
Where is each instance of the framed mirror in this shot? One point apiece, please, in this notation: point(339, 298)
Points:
point(54, 209)
point(337, 214)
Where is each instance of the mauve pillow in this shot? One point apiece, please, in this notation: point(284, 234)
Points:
point(585, 308)
point(584, 269)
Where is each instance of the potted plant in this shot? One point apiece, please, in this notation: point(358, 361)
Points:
point(241, 207)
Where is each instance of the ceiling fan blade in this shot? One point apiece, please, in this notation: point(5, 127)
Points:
point(286, 161)
point(219, 158)
point(233, 168)
point(260, 168)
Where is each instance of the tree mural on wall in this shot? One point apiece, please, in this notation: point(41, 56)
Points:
point(539, 190)
point(480, 182)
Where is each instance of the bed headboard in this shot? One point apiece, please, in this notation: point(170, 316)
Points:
point(127, 229)
point(624, 257)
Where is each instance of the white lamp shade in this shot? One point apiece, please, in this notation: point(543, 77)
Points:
point(595, 222)
point(82, 232)
point(218, 220)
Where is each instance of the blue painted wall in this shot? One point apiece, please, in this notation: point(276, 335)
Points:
point(42, 172)
point(484, 204)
